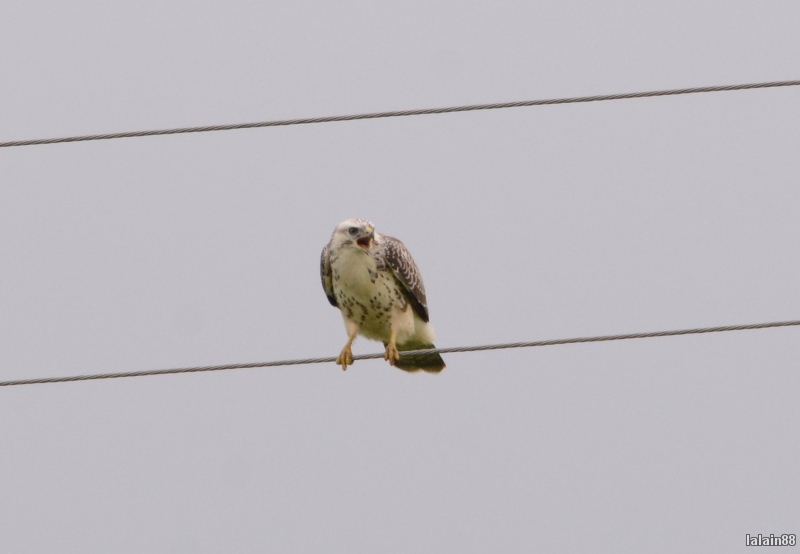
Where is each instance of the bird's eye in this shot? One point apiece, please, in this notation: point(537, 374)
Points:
point(353, 231)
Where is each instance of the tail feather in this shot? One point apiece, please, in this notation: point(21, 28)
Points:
point(430, 363)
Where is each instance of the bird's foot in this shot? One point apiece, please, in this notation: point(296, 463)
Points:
point(391, 353)
point(345, 358)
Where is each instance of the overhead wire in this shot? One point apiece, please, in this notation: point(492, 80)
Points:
point(401, 113)
point(452, 350)
point(378, 115)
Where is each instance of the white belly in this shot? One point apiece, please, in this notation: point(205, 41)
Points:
point(371, 299)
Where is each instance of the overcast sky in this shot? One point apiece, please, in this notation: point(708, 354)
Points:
point(527, 224)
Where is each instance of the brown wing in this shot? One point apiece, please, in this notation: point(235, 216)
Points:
point(326, 275)
point(398, 258)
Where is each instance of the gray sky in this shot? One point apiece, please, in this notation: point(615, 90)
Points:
point(528, 224)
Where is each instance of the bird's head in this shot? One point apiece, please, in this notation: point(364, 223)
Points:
point(357, 232)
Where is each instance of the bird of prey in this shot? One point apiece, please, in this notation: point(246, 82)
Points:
point(375, 283)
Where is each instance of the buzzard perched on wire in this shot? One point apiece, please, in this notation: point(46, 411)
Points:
point(375, 283)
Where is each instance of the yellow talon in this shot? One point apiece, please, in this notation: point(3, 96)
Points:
point(391, 349)
point(345, 358)
point(392, 355)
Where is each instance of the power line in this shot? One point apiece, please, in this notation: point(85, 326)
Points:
point(379, 115)
point(603, 338)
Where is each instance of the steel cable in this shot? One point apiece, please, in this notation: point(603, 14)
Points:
point(403, 113)
point(602, 338)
